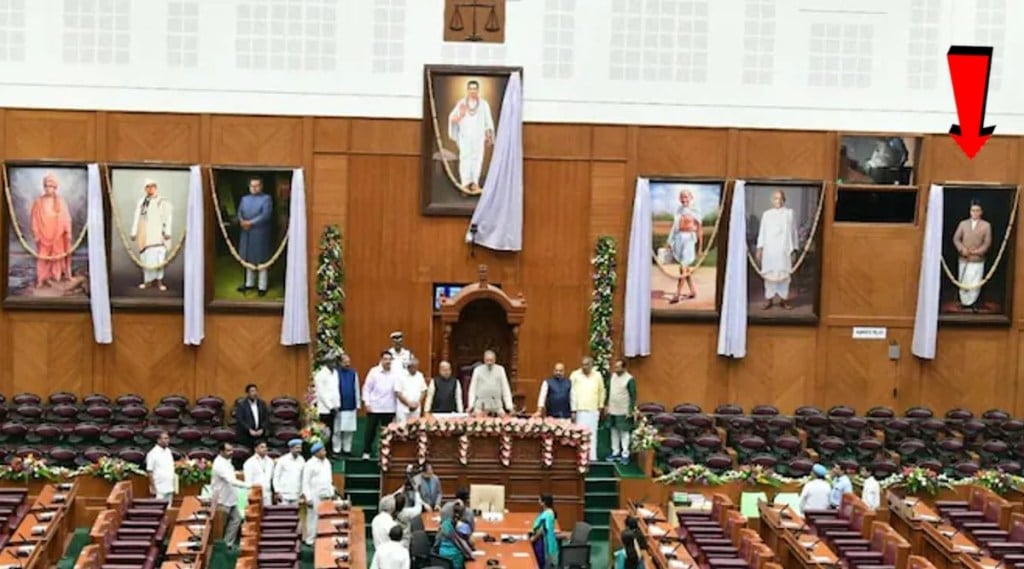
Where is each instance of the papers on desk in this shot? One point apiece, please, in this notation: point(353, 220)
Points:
point(520, 554)
point(644, 513)
point(479, 554)
point(790, 524)
point(197, 528)
point(436, 519)
point(38, 530)
point(514, 536)
point(677, 564)
point(821, 559)
point(966, 548)
point(188, 545)
point(656, 531)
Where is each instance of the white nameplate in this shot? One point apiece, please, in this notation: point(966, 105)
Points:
point(870, 332)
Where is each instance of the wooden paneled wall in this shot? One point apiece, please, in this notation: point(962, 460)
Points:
point(364, 174)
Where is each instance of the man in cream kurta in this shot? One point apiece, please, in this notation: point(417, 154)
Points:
point(776, 242)
point(288, 474)
point(488, 389)
point(588, 397)
point(259, 471)
point(160, 466)
point(151, 231)
point(471, 126)
point(317, 486)
point(224, 486)
point(409, 391)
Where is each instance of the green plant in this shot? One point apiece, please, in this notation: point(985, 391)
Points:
point(330, 278)
point(690, 475)
point(191, 471)
point(110, 469)
point(31, 468)
point(602, 304)
point(645, 436)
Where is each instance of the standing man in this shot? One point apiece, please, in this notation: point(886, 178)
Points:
point(399, 353)
point(288, 474)
point(588, 397)
point(489, 392)
point(252, 417)
point(621, 406)
point(151, 231)
point(224, 493)
point(555, 399)
point(444, 394)
point(337, 399)
point(317, 486)
point(255, 212)
point(259, 471)
point(776, 242)
point(841, 484)
point(51, 232)
point(972, 239)
point(379, 397)
point(471, 127)
point(160, 466)
point(409, 390)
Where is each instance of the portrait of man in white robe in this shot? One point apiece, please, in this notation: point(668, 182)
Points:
point(471, 128)
point(777, 242)
point(151, 232)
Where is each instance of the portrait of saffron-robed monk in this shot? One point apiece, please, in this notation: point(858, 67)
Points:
point(462, 108)
point(47, 253)
point(977, 252)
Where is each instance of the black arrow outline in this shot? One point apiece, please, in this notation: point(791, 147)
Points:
point(975, 50)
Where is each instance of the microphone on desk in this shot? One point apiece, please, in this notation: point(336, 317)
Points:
point(783, 510)
point(192, 535)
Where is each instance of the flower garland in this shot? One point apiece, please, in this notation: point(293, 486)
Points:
point(422, 445)
point(751, 475)
point(505, 429)
point(330, 277)
point(602, 303)
point(547, 451)
point(111, 469)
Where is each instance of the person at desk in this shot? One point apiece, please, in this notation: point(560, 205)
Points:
point(288, 474)
point(259, 471)
point(815, 493)
point(429, 486)
point(629, 557)
point(444, 394)
point(453, 539)
point(545, 542)
point(392, 555)
point(841, 484)
point(461, 499)
point(489, 393)
point(317, 486)
point(380, 527)
point(872, 491)
point(223, 489)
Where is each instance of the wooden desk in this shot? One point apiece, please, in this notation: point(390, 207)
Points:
point(789, 536)
point(325, 547)
point(661, 539)
point(197, 564)
point(193, 511)
point(514, 523)
point(51, 496)
point(518, 555)
point(944, 547)
point(907, 516)
point(326, 527)
point(802, 555)
point(181, 537)
point(42, 533)
point(9, 557)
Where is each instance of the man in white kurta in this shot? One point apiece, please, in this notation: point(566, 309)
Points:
point(259, 471)
point(288, 474)
point(224, 487)
point(151, 231)
point(588, 398)
point(160, 466)
point(409, 391)
point(471, 126)
point(337, 399)
point(317, 486)
point(489, 391)
point(776, 242)
point(392, 554)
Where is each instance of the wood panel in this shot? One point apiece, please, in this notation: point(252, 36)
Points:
point(776, 363)
point(49, 351)
point(682, 152)
point(264, 141)
point(149, 358)
point(50, 135)
point(996, 162)
point(780, 154)
point(873, 271)
point(970, 370)
point(143, 137)
point(859, 372)
point(557, 141)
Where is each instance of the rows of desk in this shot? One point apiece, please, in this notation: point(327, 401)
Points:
point(38, 540)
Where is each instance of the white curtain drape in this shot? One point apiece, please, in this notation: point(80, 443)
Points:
point(636, 337)
point(926, 319)
point(295, 324)
point(195, 261)
point(99, 288)
point(499, 213)
point(732, 324)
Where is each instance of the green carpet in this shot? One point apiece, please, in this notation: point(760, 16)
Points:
point(79, 539)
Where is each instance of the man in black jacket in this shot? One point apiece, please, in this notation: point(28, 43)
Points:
point(252, 418)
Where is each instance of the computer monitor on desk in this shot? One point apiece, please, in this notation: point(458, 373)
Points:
point(487, 498)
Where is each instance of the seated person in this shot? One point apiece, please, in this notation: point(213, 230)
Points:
point(453, 539)
point(461, 498)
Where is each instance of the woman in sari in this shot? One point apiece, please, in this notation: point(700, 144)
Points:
point(629, 556)
point(545, 542)
point(453, 539)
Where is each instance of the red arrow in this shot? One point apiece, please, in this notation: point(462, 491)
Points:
point(969, 70)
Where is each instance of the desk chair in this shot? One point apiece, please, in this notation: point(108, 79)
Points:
point(439, 562)
point(574, 556)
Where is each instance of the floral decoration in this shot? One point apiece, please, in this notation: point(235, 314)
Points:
point(191, 471)
point(645, 436)
point(422, 445)
point(314, 431)
point(995, 480)
point(330, 277)
point(31, 468)
point(602, 303)
point(916, 480)
point(691, 474)
point(756, 475)
point(506, 429)
point(111, 469)
point(547, 451)
point(753, 475)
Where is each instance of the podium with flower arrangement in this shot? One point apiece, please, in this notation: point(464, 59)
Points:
point(527, 456)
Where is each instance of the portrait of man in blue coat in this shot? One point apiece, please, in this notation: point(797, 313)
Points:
point(255, 216)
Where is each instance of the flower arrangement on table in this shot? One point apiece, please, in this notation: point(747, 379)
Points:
point(753, 475)
point(314, 432)
point(692, 474)
point(506, 429)
point(645, 436)
point(193, 472)
point(31, 468)
point(756, 475)
point(915, 480)
point(997, 481)
point(111, 469)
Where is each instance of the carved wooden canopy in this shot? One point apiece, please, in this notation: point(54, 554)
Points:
point(515, 308)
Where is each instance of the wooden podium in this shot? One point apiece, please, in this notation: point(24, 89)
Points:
point(525, 478)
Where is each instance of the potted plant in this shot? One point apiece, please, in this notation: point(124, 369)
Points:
point(31, 472)
point(192, 475)
point(644, 442)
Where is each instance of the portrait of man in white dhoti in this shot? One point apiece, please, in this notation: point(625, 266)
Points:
point(777, 242)
point(471, 128)
point(151, 232)
point(972, 239)
point(685, 240)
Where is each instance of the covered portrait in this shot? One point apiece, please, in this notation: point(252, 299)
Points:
point(784, 251)
point(978, 228)
point(885, 160)
point(47, 255)
point(251, 209)
point(146, 234)
point(685, 225)
point(461, 109)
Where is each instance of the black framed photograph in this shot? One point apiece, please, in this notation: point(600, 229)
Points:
point(878, 159)
point(978, 237)
point(461, 110)
point(784, 229)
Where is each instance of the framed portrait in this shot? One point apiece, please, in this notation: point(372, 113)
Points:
point(685, 226)
point(146, 235)
point(784, 251)
point(461, 109)
point(977, 253)
point(882, 160)
point(47, 257)
point(250, 237)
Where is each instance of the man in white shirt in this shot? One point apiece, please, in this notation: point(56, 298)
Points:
point(288, 474)
point(259, 471)
point(392, 554)
point(587, 399)
point(317, 486)
point(399, 353)
point(409, 391)
point(815, 493)
point(224, 492)
point(160, 466)
point(871, 493)
point(382, 523)
point(489, 392)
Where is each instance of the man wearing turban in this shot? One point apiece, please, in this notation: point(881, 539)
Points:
point(51, 231)
point(151, 231)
